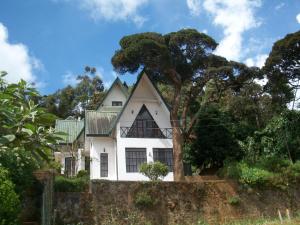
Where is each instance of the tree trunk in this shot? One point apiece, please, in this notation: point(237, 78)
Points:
point(177, 137)
point(177, 152)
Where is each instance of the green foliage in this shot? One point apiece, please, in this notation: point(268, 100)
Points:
point(269, 172)
point(154, 171)
point(217, 141)
point(27, 139)
point(280, 138)
point(82, 173)
point(64, 184)
point(10, 204)
point(234, 200)
point(20, 165)
point(72, 101)
point(143, 200)
point(282, 69)
point(253, 176)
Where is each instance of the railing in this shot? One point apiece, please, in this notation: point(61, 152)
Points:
point(136, 132)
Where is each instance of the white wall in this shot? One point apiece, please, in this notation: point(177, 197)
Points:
point(102, 145)
point(115, 94)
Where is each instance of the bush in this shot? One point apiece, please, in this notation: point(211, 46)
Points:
point(154, 171)
point(143, 200)
point(63, 184)
point(82, 173)
point(10, 203)
point(234, 200)
point(253, 176)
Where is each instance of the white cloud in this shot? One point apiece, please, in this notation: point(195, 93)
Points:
point(194, 7)
point(258, 60)
point(70, 78)
point(279, 6)
point(298, 18)
point(115, 10)
point(16, 60)
point(235, 17)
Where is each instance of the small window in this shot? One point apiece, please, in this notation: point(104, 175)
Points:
point(116, 103)
point(164, 155)
point(69, 166)
point(134, 158)
point(104, 165)
point(87, 161)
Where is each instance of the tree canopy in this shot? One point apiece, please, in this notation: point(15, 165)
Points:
point(73, 101)
point(282, 69)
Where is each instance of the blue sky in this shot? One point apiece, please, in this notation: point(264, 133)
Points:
point(49, 42)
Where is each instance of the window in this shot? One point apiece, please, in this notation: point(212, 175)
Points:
point(164, 155)
point(144, 126)
point(116, 103)
point(104, 165)
point(87, 161)
point(69, 166)
point(134, 158)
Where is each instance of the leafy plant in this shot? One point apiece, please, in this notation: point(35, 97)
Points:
point(10, 203)
point(26, 137)
point(82, 173)
point(143, 200)
point(234, 200)
point(154, 171)
point(64, 184)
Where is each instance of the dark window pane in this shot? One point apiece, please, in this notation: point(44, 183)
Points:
point(144, 126)
point(164, 155)
point(104, 165)
point(134, 158)
point(70, 166)
point(87, 160)
point(116, 103)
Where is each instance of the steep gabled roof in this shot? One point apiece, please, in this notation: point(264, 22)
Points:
point(131, 94)
point(119, 83)
point(72, 127)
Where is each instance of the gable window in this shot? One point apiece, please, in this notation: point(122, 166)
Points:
point(134, 158)
point(164, 155)
point(104, 165)
point(144, 126)
point(116, 103)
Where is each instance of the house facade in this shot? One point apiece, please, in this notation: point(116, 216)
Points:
point(126, 130)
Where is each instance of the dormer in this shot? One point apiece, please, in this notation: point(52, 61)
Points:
point(115, 97)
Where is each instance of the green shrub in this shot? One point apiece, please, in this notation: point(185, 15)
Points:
point(154, 171)
point(9, 200)
point(253, 176)
point(63, 184)
point(234, 200)
point(143, 200)
point(82, 173)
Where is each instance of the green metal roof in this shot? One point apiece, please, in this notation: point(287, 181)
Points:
point(71, 127)
point(99, 123)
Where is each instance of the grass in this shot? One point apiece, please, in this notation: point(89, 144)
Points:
point(264, 222)
point(260, 221)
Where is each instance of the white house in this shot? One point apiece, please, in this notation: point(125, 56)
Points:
point(127, 130)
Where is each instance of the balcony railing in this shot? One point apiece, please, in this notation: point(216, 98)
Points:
point(136, 132)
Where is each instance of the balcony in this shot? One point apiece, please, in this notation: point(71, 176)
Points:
point(137, 132)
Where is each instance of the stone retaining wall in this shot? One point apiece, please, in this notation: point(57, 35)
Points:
point(174, 203)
